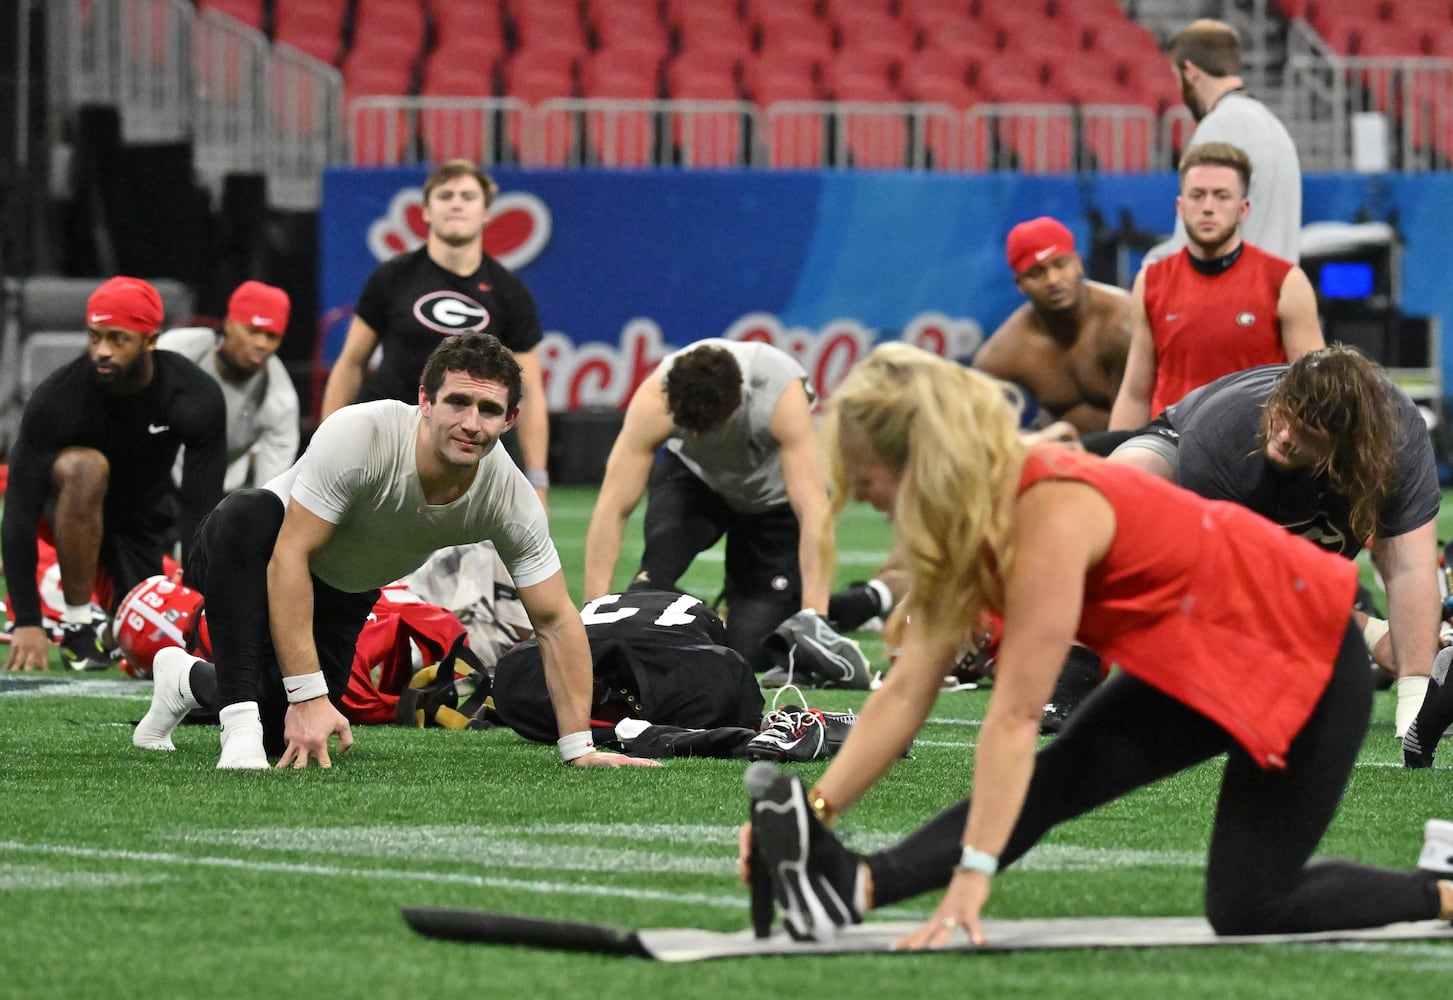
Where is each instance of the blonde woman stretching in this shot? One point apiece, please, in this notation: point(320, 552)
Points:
point(1232, 637)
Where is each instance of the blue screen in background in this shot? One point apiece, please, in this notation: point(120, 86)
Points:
point(1345, 279)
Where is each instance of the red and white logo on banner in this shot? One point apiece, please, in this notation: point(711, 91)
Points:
point(519, 228)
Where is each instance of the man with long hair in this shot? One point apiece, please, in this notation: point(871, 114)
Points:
point(1232, 636)
point(1331, 449)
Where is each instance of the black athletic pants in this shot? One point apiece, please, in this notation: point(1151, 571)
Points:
point(227, 562)
point(1268, 822)
point(685, 517)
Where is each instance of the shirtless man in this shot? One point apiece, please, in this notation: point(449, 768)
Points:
point(1067, 345)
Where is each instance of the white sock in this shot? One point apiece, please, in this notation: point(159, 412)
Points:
point(77, 614)
point(241, 738)
point(171, 700)
point(1410, 693)
point(885, 596)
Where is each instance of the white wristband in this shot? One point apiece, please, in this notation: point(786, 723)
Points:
point(1373, 631)
point(539, 478)
point(974, 860)
point(306, 687)
point(573, 745)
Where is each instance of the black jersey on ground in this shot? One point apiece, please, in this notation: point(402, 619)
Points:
point(139, 434)
point(657, 655)
point(411, 302)
point(1220, 457)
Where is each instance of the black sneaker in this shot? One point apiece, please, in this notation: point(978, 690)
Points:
point(81, 647)
point(1420, 742)
point(849, 609)
point(809, 873)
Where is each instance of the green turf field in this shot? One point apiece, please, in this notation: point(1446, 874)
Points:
point(132, 874)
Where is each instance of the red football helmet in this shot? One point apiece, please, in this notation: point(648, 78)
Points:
point(158, 613)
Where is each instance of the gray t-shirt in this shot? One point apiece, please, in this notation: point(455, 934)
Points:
point(741, 459)
point(1275, 220)
point(1219, 457)
point(262, 412)
point(360, 474)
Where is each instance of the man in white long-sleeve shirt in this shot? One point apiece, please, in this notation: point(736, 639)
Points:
point(262, 405)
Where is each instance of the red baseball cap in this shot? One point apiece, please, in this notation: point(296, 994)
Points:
point(127, 303)
point(1036, 241)
point(259, 305)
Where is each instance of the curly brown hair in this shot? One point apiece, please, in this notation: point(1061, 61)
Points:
point(703, 388)
point(1341, 402)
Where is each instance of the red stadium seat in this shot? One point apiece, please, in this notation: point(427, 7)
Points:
point(753, 10)
point(854, 76)
point(837, 10)
point(862, 30)
point(542, 25)
point(629, 28)
point(933, 71)
point(1009, 80)
point(780, 27)
point(1382, 38)
point(540, 73)
point(452, 19)
point(688, 80)
point(769, 81)
point(709, 28)
point(465, 56)
point(390, 25)
point(1125, 39)
point(1022, 31)
point(380, 66)
point(968, 43)
point(312, 28)
point(610, 73)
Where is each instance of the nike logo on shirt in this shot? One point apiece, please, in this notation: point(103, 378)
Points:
point(157, 428)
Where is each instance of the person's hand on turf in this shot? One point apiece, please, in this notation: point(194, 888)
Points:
point(29, 649)
point(600, 758)
point(959, 909)
point(307, 728)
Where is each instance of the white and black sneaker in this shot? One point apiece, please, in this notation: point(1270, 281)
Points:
point(811, 876)
point(797, 733)
point(1437, 854)
point(81, 647)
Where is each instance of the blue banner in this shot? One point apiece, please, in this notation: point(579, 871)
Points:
point(625, 266)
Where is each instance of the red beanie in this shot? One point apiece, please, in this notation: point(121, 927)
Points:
point(1036, 241)
point(259, 305)
point(128, 303)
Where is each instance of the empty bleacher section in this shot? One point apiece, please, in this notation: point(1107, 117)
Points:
point(1038, 86)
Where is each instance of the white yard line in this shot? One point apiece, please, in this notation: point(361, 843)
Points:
point(735, 901)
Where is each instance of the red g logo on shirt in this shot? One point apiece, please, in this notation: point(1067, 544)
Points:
point(449, 312)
